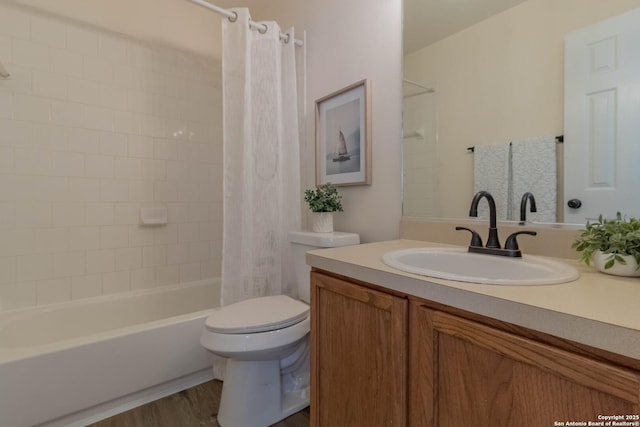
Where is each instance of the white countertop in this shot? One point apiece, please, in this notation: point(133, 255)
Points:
point(597, 309)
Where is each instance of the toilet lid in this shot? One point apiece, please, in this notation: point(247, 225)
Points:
point(257, 315)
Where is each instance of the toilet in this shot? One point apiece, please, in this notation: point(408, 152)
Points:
point(266, 343)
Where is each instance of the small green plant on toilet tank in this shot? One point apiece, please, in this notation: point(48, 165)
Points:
point(618, 239)
point(323, 201)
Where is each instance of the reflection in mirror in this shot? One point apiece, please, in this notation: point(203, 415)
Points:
point(499, 79)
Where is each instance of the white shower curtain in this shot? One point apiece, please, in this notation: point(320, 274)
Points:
point(261, 160)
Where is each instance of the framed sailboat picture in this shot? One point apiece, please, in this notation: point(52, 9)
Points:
point(343, 136)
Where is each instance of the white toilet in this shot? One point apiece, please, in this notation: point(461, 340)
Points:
point(266, 343)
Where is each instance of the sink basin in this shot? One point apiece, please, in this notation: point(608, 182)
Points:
point(462, 266)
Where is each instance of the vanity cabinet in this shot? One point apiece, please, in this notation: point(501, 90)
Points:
point(387, 359)
point(359, 354)
point(463, 372)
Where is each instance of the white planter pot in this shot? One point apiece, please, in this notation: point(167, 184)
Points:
point(629, 269)
point(323, 222)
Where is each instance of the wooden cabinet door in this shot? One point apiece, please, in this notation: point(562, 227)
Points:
point(358, 355)
point(467, 374)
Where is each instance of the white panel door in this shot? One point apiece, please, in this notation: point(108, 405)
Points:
point(602, 119)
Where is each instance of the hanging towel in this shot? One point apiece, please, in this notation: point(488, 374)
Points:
point(534, 170)
point(491, 173)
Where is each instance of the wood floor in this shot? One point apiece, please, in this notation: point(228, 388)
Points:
point(193, 407)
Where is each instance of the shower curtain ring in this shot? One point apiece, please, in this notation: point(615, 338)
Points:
point(263, 30)
point(233, 18)
point(288, 38)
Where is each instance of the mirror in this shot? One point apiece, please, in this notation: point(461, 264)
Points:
point(481, 73)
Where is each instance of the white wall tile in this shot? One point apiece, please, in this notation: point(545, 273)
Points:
point(14, 22)
point(68, 214)
point(20, 81)
point(141, 146)
point(30, 54)
point(69, 264)
point(67, 63)
point(126, 213)
point(64, 163)
point(50, 137)
point(101, 261)
point(112, 190)
point(114, 144)
point(6, 104)
point(84, 238)
point(153, 256)
point(84, 140)
point(86, 286)
point(14, 296)
point(6, 160)
point(116, 282)
point(84, 189)
point(29, 107)
point(98, 118)
point(128, 258)
point(52, 291)
point(99, 214)
point(98, 166)
point(98, 70)
point(67, 113)
point(112, 49)
point(16, 133)
point(33, 214)
point(143, 278)
point(48, 31)
point(51, 240)
point(34, 267)
point(116, 236)
point(31, 161)
point(7, 271)
point(81, 40)
point(93, 126)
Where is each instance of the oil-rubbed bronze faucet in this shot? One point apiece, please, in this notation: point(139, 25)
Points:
point(492, 247)
point(523, 205)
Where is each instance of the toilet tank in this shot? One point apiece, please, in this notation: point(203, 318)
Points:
point(303, 241)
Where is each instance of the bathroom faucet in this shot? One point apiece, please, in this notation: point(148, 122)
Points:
point(493, 247)
point(523, 205)
point(492, 241)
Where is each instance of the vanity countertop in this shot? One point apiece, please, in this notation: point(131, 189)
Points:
point(597, 309)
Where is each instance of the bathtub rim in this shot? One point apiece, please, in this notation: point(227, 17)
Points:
point(9, 354)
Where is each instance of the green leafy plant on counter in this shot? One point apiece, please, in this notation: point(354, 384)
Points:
point(614, 237)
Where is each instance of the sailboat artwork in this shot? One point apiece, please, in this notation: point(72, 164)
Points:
point(341, 153)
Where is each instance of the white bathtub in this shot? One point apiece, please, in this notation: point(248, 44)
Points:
point(66, 364)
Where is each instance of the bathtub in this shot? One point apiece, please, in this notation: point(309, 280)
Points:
point(81, 361)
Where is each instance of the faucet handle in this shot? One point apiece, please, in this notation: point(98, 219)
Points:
point(512, 243)
point(476, 240)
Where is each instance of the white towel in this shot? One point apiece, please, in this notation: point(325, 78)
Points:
point(534, 170)
point(491, 173)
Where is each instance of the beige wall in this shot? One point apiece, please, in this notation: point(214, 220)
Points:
point(346, 42)
point(500, 80)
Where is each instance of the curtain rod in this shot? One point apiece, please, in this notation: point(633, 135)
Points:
point(232, 17)
point(559, 139)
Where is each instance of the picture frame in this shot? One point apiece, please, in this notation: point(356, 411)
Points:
point(343, 136)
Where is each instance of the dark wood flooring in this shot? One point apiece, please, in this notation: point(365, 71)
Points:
point(194, 407)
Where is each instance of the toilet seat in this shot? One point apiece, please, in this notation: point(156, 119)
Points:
point(256, 315)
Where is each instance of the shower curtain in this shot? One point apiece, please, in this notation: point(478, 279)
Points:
point(261, 160)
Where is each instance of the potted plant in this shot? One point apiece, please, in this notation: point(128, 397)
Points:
point(323, 201)
point(612, 244)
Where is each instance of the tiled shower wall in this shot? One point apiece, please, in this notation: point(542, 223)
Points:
point(94, 126)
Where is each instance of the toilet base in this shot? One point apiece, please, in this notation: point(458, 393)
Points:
point(257, 394)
